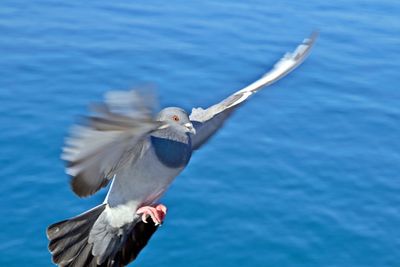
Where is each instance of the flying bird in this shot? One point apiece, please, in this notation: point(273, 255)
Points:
point(140, 153)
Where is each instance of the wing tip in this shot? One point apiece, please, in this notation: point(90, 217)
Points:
point(305, 47)
point(80, 187)
point(312, 38)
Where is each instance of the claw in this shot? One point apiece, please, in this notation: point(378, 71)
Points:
point(157, 213)
point(162, 208)
point(144, 217)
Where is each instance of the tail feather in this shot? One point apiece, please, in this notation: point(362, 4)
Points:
point(88, 240)
point(67, 253)
point(106, 239)
point(69, 244)
point(136, 241)
point(60, 229)
point(56, 244)
point(68, 237)
point(84, 258)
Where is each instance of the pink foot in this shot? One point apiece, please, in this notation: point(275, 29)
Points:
point(157, 213)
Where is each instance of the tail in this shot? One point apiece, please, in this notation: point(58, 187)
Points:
point(87, 240)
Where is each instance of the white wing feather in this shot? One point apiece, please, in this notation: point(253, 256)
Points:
point(208, 121)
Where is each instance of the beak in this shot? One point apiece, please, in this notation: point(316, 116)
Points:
point(189, 128)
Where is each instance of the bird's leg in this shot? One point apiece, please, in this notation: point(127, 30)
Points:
point(156, 213)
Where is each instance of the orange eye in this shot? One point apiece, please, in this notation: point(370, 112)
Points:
point(175, 118)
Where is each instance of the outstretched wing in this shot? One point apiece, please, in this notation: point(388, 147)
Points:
point(208, 121)
point(111, 137)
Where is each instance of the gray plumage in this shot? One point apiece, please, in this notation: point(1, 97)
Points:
point(141, 153)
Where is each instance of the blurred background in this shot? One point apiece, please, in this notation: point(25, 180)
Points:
point(304, 174)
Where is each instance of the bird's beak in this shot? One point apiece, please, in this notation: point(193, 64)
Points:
point(189, 128)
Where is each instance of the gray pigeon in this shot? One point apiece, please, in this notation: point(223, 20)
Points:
point(140, 154)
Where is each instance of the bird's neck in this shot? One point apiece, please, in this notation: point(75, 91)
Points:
point(170, 152)
point(174, 134)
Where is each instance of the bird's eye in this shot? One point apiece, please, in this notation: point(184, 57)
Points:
point(175, 118)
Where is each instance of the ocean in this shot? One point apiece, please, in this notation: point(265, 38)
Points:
point(306, 173)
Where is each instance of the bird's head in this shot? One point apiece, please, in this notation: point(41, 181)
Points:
point(176, 118)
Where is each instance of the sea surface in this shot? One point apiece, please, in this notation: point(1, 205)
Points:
point(307, 173)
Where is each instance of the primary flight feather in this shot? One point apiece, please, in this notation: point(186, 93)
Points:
point(122, 142)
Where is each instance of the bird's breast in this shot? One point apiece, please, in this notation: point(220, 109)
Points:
point(173, 154)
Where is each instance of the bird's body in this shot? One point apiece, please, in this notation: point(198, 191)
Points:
point(143, 182)
point(141, 154)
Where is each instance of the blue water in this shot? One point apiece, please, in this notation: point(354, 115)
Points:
point(305, 174)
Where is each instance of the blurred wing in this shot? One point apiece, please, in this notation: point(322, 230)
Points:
point(208, 121)
point(113, 136)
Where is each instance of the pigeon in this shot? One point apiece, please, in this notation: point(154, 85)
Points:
point(125, 143)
